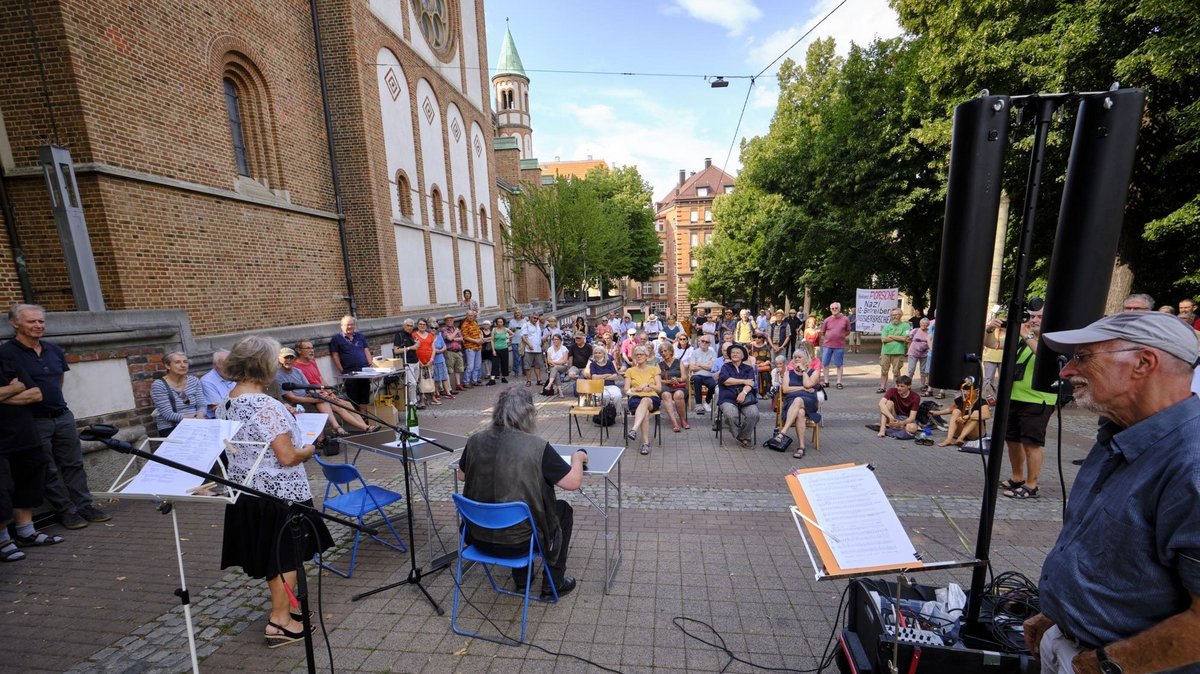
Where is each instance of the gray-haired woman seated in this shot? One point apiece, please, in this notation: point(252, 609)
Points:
point(507, 463)
point(602, 367)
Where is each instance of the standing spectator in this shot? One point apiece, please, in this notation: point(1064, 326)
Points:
point(1029, 414)
point(1138, 302)
point(729, 323)
point(653, 326)
point(760, 358)
point(1119, 590)
point(404, 343)
point(739, 408)
point(898, 408)
point(455, 366)
point(918, 355)
point(993, 357)
point(22, 463)
point(763, 321)
point(307, 365)
point(515, 326)
point(535, 360)
point(743, 330)
point(177, 395)
point(46, 363)
point(642, 386)
point(855, 341)
point(779, 335)
point(254, 537)
point(708, 327)
point(550, 329)
point(673, 392)
point(424, 348)
point(472, 337)
point(441, 376)
point(487, 351)
point(795, 329)
point(834, 331)
point(468, 303)
point(812, 335)
point(350, 353)
point(557, 361)
point(216, 386)
point(673, 329)
point(914, 321)
point(893, 338)
point(1187, 313)
point(626, 325)
point(501, 336)
point(1167, 309)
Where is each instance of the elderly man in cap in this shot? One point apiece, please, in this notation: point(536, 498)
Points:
point(1120, 590)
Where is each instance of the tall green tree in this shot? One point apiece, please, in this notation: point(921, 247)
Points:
point(730, 263)
point(628, 198)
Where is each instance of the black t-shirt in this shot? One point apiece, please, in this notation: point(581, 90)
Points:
point(580, 355)
point(553, 467)
point(17, 427)
point(405, 339)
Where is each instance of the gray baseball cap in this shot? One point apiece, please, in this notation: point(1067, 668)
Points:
point(1149, 328)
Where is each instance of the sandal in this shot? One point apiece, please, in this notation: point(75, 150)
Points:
point(685, 425)
point(340, 432)
point(675, 427)
point(744, 443)
point(632, 435)
point(1021, 493)
point(10, 553)
point(373, 428)
point(37, 540)
point(645, 449)
point(840, 387)
point(798, 454)
point(1012, 484)
point(284, 638)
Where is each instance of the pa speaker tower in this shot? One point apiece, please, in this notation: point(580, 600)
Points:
point(968, 237)
point(1089, 220)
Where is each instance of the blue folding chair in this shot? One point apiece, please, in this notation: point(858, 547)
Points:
point(356, 502)
point(498, 516)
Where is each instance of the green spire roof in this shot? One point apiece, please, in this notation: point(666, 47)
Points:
point(510, 60)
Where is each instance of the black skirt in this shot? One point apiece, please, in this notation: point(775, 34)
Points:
point(258, 539)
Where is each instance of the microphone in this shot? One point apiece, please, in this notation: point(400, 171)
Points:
point(104, 433)
point(289, 386)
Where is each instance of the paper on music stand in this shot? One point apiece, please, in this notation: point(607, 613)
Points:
point(852, 508)
point(311, 426)
point(195, 443)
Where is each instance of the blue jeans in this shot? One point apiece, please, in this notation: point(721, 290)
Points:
point(66, 481)
point(517, 366)
point(474, 373)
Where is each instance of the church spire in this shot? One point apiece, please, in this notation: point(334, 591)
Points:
point(510, 85)
point(510, 61)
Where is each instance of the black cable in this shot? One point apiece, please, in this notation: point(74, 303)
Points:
point(738, 128)
point(320, 600)
point(800, 39)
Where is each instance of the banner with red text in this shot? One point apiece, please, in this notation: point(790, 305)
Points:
point(874, 306)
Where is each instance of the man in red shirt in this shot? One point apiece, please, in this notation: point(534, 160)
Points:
point(834, 330)
point(898, 408)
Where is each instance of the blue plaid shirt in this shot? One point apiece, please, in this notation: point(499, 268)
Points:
point(1128, 556)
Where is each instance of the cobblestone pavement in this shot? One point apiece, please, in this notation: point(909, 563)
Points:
point(706, 535)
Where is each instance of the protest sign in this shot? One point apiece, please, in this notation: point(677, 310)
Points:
point(873, 306)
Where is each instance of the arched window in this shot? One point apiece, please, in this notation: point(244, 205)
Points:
point(233, 107)
point(439, 217)
point(251, 126)
point(506, 99)
point(462, 216)
point(483, 223)
point(404, 194)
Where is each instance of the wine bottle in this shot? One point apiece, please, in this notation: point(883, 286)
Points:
point(411, 422)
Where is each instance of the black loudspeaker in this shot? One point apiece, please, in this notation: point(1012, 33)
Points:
point(968, 237)
point(1089, 220)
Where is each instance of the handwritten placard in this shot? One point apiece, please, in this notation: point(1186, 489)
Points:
point(873, 306)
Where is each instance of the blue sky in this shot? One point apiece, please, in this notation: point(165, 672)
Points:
point(662, 124)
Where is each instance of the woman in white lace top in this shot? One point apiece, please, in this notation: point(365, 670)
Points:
point(252, 537)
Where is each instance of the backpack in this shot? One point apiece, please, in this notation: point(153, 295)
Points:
point(607, 416)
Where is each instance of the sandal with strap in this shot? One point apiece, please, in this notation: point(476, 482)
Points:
point(37, 540)
point(284, 638)
point(798, 454)
point(645, 449)
point(1012, 484)
point(1021, 493)
point(10, 553)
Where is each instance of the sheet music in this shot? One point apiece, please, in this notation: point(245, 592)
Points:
point(863, 530)
point(311, 426)
point(195, 443)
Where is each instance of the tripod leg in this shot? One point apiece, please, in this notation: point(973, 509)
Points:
point(182, 593)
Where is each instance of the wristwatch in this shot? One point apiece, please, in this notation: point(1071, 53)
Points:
point(1107, 666)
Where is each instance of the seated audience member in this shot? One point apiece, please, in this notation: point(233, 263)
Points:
point(177, 395)
point(652, 326)
point(307, 365)
point(581, 328)
point(964, 425)
point(674, 394)
point(22, 463)
point(602, 367)
point(506, 463)
point(643, 383)
point(557, 362)
point(682, 345)
point(216, 387)
point(799, 399)
point(579, 354)
point(898, 408)
point(672, 328)
point(698, 366)
point(287, 373)
point(737, 399)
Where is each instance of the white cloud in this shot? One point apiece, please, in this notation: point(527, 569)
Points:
point(732, 15)
point(766, 94)
point(858, 21)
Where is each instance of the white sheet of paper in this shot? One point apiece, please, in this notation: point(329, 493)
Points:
point(849, 504)
point(195, 443)
point(311, 425)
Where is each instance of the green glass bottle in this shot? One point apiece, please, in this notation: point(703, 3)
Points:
point(411, 422)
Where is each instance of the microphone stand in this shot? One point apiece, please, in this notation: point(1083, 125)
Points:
point(415, 574)
point(296, 511)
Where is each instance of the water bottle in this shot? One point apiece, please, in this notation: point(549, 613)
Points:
point(927, 433)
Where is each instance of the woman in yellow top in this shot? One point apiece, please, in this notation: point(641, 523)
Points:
point(642, 384)
point(743, 331)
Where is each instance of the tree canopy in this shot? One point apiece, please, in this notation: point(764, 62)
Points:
point(847, 187)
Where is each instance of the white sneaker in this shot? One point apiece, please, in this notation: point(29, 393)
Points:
point(707, 407)
point(700, 409)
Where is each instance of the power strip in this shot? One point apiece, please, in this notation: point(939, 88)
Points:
point(912, 635)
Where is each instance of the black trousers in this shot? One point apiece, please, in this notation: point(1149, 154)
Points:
point(554, 550)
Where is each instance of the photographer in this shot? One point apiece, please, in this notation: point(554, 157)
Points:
point(1030, 410)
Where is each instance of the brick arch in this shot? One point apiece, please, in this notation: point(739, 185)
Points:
point(234, 60)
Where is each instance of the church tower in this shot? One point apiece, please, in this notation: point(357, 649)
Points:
point(511, 88)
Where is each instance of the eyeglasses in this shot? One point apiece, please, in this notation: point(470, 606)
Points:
point(1081, 357)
